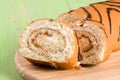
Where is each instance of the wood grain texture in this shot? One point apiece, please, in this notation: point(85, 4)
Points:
point(109, 70)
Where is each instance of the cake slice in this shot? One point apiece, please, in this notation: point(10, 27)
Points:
point(49, 42)
point(93, 43)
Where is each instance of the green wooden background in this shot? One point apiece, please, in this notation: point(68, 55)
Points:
point(14, 15)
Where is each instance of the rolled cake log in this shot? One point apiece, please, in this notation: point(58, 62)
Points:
point(97, 27)
point(49, 42)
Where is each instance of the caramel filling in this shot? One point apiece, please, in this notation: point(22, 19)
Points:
point(85, 43)
point(46, 40)
point(85, 40)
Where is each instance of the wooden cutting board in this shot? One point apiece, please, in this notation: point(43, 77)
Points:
point(109, 70)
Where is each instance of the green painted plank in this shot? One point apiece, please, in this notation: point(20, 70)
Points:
point(45, 8)
point(11, 24)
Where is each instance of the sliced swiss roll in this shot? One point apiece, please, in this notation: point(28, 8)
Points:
point(97, 27)
point(49, 42)
point(92, 41)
